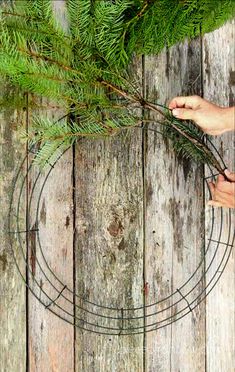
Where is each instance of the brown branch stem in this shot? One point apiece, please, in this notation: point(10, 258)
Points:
point(195, 141)
point(144, 7)
point(48, 59)
point(20, 15)
point(140, 101)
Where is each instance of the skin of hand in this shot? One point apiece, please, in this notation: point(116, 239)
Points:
point(212, 119)
point(222, 191)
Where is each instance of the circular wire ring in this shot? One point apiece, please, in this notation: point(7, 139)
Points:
point(71, 298)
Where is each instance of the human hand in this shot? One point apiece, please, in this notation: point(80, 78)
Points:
point(212, 119)
point(223, 192)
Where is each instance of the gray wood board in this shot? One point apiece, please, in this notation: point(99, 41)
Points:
point(174, 227)
point(218, 85)
point(12, 288)
point(123, 221)
point(109, 248)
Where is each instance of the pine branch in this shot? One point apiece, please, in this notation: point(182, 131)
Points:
point(20, 15)
point(153, 107)
point(85, 69)
point(48, 59)
point(142, 103)
point(190, 139)
point(145, 6)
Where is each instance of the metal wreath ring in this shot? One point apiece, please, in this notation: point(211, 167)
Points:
point(122, 319)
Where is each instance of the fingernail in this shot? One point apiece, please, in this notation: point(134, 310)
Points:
point(227, 172)
point(176, 112)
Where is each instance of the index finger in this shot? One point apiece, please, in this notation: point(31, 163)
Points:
point(182, 101)
point(220, 178)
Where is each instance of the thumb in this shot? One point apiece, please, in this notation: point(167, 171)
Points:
point(183, 113)
point(214, 203)
point(231, 176)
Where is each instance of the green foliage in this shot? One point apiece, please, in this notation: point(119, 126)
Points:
point(181, 145)
point(57, 136)
point(81, 62)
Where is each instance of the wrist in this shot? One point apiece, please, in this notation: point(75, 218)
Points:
point(228, 118)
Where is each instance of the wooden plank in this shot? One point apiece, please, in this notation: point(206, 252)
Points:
point(219, 87)
point(12, 288)
point(55, 224)
point(109, 249)
point(51, 339)
point(174, 227)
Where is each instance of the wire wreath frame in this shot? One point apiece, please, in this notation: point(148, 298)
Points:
point(107, 320)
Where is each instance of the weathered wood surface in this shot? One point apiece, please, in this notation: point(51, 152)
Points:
point(219, 87)
point(117, 216)
point(12, 289)
point(51, 339)
point(109, 248)
point(174, 225)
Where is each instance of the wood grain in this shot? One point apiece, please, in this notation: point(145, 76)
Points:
point(174, 231)
point(12, 288)
point(54, 256)
point(109, 249)
point(51, 339)
point(218, 85)
point(123, 221)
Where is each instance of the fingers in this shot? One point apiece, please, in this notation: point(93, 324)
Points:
point(222, 194)
point(221, 199)
point(214, 203)
point(225, 203)
point(220, 178)
point(219, 190)
point(182, 113)
point(212, 188)
point(191, 102)
point(231, 176)
point(178, 102)
point(184, 107)
point(227, 187)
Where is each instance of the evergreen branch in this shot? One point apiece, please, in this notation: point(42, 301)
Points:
point(19, 15)
point(143, 10)
point(45, 76)
point(50, 136)
point(195, 141)
point(48, 59)
point(141, 102)
point(85, 66)
point(153, 107)
point(145, 6)
point(136, 99)
point(36, 31)
point(68, 134)
point(192, 140)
